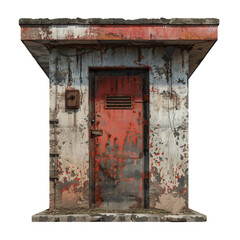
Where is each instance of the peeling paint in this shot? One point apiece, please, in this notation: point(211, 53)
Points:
point(120, 32)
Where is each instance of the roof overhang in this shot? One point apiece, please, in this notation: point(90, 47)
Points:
point(40, 35)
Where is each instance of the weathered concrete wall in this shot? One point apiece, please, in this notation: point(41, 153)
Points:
point(69, 68)
point(169, 133)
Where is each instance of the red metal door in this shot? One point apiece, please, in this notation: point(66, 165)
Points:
point(118, 139)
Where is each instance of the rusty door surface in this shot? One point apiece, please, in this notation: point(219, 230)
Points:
point(119, 139)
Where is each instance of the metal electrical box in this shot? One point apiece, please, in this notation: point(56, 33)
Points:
point(72, 99)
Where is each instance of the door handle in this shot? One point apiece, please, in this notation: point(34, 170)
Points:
point(96, 132)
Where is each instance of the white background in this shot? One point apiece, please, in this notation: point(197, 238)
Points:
point(214, 125)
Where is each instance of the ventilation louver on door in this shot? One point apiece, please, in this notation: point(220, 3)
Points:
point(118, 102)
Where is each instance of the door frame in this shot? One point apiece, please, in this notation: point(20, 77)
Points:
point(103, 71)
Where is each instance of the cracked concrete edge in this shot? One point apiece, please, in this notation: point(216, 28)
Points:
point(120, 217)
point(120, 21)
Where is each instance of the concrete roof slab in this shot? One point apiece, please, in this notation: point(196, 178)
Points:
point(119, 21)
point(40, 35)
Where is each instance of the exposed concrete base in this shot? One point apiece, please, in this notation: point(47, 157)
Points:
point(108, 216)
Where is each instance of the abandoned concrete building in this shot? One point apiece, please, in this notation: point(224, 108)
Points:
point(119, 114)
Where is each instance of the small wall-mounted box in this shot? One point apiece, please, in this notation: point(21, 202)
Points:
point(72, 99)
